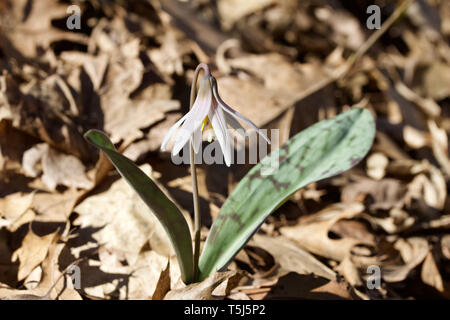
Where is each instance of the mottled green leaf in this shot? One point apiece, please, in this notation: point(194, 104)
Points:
point(164, 209)
point(321, 151)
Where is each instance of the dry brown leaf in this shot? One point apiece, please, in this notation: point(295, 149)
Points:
point(407, 167)
point(204, 290)
point(414, 138)
point(277, 73)
point(430, 273)
point(313, 235)
point(123, 220)
point(55, 207)
point(169, 56)
point(94, 66)
point(232, 10)
point(387, 193)
point(57, 168)
point(14, 210)
point(291, 257)
point(428, 106)
point(439, 145)
point(32, 252)
point(50, 286)
point(124, 117)
point(413, 252)
point(397, 221)
point(437, 80)
point(445, 245)
point(296, 286)
point(350, 272)
point(113, 277)
point(152, 141)
point(32, 29)
point(429, 189)
point(250, 98)
point(45, 109)
point(163, 285)
point(376, 165)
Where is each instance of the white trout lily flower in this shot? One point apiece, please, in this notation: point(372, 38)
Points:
point(208, 108)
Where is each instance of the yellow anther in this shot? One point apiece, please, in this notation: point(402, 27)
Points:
point(206, 123)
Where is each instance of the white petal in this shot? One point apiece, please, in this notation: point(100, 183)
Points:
point(234, 124)
point(219, 125)
point(194, 118)
point(171, 131)
point(197, 140)
point(236, 114)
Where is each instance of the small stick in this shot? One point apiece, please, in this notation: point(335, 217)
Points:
point(47, 295)
point(342, 72)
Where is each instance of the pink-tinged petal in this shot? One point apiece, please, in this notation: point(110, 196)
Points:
point(234, 113)
point(219, 125)
point(196, 116)
point(171, 131)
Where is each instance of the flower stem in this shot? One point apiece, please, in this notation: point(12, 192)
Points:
point(197, 217)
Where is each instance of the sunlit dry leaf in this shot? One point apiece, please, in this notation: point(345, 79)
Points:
point(163, 285)
point(242, 93)
point(440, 146)
point(58, 168)
point(94, 66)
point(55, 207)
point(202, 290)
point(413, 252)
point(169, 56)
point(124, 118)
point(45, 109)
point(126, 224)
point(291, 257)
point(386, 194)
point(51, 285)
point(445, 245)
point(376, 165)
point(296, 286)
point(430, 190)
point(428, 106)
point(33, 279)
point(14, 210)
point(278, 73)
point(232, 10)
point(350, 272)
point(32, 252)
point(33, 29)
point(152, 141)
point(430, 273)
point(397, 221)
point(313, 235)
point(437, 80)
point(407, 167)
point(346, 28)
point(414, 138)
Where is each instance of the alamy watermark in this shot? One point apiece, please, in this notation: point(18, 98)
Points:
point(374, 280)
point(256, 152)
point(374, 20)
point(74, 20)
point(75, 276)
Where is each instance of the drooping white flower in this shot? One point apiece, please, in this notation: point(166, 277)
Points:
point(209, 108)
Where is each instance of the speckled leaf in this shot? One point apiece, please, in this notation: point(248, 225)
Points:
point(321, 151)
point(164, 209)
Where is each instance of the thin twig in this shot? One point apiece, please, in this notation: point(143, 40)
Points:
point(343, 71)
